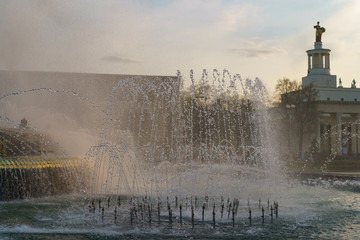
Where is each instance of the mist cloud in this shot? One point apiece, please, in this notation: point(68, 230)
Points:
point(258, 53)
point(117, 59)
point(160, 38)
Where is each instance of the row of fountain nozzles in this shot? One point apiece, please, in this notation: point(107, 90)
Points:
point(232, 207)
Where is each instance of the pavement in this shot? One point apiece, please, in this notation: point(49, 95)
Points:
point(331, 174)
point(343, 174)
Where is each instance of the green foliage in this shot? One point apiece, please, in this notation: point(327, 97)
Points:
point(215, 116)
point(3, 148)
point(24, 123)
point(301, 104)
point(284, 86)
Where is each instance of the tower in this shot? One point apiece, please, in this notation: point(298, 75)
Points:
point(319, 64)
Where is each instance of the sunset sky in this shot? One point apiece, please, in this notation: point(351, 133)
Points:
point(254, 38)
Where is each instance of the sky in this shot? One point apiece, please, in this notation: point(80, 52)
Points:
point(253, 38)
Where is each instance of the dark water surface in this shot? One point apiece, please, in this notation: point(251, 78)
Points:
point(315, 211)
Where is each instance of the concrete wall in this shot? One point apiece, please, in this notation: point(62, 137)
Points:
point(339, 94)
point(21, 183)
point(71, 108)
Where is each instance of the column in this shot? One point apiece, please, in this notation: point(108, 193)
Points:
point(309, 62)
point(320, 60)
point(312, 62)
point(353, 136)
point(317, 131)
point(357, 129)
point(327, 61)
point(338, 134)
point(333, 134)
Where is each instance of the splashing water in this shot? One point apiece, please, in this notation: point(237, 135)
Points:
point(160, 138)
point(180, 140)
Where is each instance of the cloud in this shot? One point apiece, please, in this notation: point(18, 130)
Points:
point(254, 38)
point(117, 59)
point(342, 36)
point(258, 48)
point(258, 53)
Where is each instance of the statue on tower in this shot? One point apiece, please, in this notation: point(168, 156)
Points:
point(353, 84)
point(319, 32)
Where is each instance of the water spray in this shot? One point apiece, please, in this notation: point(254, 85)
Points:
point(131, 216)
point(259, 203)
point(233, 217)
point(115, 214)
point(180, 208)
point(102, 213)
point(192, 217)
point(229, 209)
point(237, 202)
point(250, 216)
point(203, 212)
point(135, 210)
point(222, 209)
point(141, 209)
point(213, 215)
point(170, 218)
point(150, 214)
point(159, 207)
point(119, 201)
point(92, 207)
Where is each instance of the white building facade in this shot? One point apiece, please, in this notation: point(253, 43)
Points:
point(337, 124)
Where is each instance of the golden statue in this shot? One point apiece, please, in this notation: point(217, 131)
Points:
point(319, 32)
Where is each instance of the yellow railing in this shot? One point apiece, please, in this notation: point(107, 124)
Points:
point(37, 162)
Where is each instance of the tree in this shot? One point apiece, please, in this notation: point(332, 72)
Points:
point(304, 109)
point(3, 148)
point(216, 118)
point(283, 108)
point(284, 86)
point(24, 123)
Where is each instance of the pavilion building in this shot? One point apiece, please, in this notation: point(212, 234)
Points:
point(337, 122)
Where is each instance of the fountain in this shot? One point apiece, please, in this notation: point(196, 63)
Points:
point(178, 135)
point(184, 158)
point(31, 165)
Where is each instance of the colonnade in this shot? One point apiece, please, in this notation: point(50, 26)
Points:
point(339, 132)
point(318, 60)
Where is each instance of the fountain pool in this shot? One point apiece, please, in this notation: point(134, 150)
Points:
point(306, 212)
point(161, 144)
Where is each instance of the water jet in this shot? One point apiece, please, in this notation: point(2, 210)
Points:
point(198, 144)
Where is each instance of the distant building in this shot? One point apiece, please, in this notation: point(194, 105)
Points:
point(57, 101)
point(338, 106)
